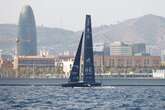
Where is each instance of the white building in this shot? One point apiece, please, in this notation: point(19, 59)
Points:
point(121, 49)
point(159, 73)
point(101, 49)
point(98, 47)
point(67, 66)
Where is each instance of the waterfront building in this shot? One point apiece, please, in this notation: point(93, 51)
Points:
point(62, 65)
point(6, 61)
point(120, 49)
point(67, 66)
point(27, 35)
point(66, 63)
point(115, 64)
point(41, 66)
point(6, 66)
point(126, 64)
point(26, 66)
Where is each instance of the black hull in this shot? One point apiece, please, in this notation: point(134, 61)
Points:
point(80, 84)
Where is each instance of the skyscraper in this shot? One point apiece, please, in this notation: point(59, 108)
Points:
point(27, 35)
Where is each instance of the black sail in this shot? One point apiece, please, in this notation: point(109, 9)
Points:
point(89, 71)
point(75, 72)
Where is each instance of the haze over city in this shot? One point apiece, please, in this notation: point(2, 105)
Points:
point(69, 14)
point(82, 54)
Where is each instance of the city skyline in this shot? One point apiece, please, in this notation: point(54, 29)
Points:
point(55, 13)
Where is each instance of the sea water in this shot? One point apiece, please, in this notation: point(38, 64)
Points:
point(99, 98)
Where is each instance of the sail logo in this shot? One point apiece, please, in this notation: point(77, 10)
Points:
point(88, 29)
point(88, 70)
point(88, 36)
point(88, 60)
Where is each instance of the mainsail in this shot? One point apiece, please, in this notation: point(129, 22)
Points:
point(89, 72)
point(75, 72)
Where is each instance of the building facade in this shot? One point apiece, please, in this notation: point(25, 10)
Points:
point(101, 49)
point(6, 61)
point(66, 63)
point(6, 66)
point(119, 64)
point(120, 48)
point(160, 74)
point(27, 66)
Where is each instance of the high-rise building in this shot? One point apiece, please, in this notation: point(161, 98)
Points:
point(27, 35)
point(98, 48)
point(101, 49)
point(139, 49)
point(120, 49)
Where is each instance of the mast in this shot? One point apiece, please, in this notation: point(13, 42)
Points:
point(89, 71)
point(75, 72)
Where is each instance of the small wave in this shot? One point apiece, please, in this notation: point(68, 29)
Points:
point(106, 87)
point(97, 98)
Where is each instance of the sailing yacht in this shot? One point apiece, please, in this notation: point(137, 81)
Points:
point(88, 68)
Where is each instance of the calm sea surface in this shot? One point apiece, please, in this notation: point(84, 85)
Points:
point(101, 98)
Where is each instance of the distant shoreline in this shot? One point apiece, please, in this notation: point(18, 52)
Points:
point(59, 81)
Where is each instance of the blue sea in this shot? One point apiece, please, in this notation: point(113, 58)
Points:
point(99, 98)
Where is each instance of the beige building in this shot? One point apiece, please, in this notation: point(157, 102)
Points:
point(62, 65)
point(34, 66)
point(6, 66)
point(115, 64)
point(126, 63)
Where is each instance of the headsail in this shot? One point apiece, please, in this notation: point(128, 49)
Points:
point(89, 72)
point(75, 72)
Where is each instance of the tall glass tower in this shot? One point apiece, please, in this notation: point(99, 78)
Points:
point(27, 35)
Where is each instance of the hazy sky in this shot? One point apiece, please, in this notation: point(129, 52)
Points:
point(70, 14)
